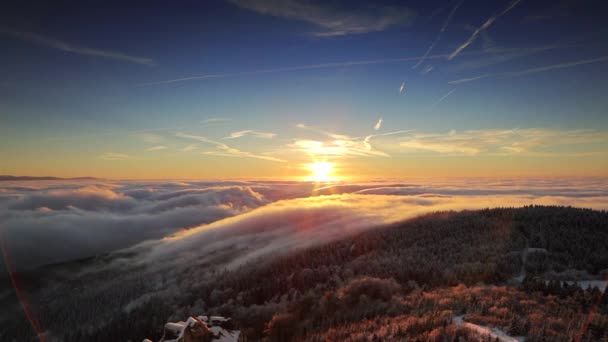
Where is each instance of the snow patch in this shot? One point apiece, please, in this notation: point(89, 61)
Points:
point(484, 331)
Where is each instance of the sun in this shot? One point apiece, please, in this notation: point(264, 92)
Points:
point(321, 171)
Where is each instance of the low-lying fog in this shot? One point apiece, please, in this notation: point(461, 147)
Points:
point(47, 222)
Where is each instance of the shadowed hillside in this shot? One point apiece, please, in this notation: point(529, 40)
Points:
point(408, 280)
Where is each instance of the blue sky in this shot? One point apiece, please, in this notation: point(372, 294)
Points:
point(82, 82)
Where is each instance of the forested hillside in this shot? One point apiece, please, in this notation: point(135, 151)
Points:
point(409, 280)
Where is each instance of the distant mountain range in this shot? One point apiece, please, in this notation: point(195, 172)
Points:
point(26, 178)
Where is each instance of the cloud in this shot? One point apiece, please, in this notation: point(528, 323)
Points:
point(285, 226)
point(80, 50)
point(114, 156)
point(227, 151)
point(443, 28)
point(256, 134)
point(322, 132)
point(189, 148)
point(378, 124)
point(156, 148)
point(233, 222)
point(481, 29)
point(86, 198)
point(50, 226)
point(337, 146)
point(533, 70)
point(500, 142)
point(333, 21)
point(211, 120)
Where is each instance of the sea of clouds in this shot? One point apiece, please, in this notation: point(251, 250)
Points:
point(45, 222)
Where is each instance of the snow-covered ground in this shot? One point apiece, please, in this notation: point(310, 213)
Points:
point(584, 284)
point(484, 331)
point(214, 323)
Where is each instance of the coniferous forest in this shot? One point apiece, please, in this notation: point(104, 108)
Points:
point(528, 272)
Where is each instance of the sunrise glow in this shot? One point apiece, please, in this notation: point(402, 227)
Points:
point(321, 171)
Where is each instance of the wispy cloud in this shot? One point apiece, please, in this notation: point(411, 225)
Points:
point(338, 145)
point(322, 132)
point(256, 134)
point(225, 150)
point(335, 148)
point(156, 148)
point(502, 142)
point(211, 120)
point(482, 28)
point(368, 138)
point(333, 20)
point(378, 124)
point(189, 148)
point(532, 70)
point(80, 50)
point(114, 156)
point(442, 98)
point(438, 37)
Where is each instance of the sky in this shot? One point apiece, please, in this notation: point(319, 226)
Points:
point(269, 89)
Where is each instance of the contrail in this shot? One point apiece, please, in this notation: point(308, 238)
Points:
point(319, 66)
point(483, 27)
point(80, 50)
point(378, 124)
point(445, 25)
point(442, 98)
point(533, 70)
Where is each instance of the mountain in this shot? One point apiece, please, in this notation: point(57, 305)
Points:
point(501, 273)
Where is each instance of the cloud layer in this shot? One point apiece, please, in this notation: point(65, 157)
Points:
point(55, 221)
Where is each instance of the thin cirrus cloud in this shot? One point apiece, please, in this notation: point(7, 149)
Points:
point(332, 20)
point(481, 29)
point(225, 150)
point(334, 145)
point(114, 156)
point(530, 141)
point(335, 148)
point(532, 70)
point(80, 50)
point(156, 148)
point(256, 134)
point(338, 145)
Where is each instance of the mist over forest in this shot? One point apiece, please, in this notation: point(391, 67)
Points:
point(288, 261)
